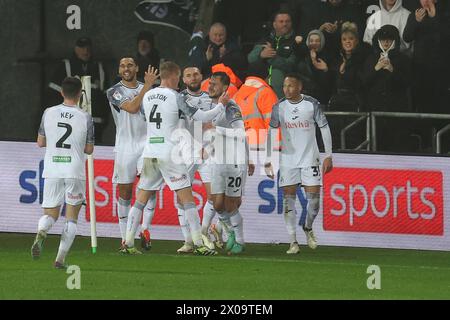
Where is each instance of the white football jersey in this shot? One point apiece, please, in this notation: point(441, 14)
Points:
point(163, 108)
point(229, 145)
point(67, 130)
point(130, 128)
point(298, 130)
point(201, 101)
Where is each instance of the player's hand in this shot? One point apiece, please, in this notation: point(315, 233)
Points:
point(431, 9)
point(251, 168)
point(151, 76)
point(327, 165)
point(269, 170)
point(224, 99)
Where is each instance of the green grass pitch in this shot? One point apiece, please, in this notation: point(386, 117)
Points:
point(262, 272)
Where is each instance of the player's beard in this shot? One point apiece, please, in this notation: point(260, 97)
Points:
point(194, 88)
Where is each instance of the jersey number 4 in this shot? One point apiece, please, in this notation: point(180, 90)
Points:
point(60, 143)
point(155, 117)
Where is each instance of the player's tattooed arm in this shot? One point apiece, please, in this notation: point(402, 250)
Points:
point(134, 105)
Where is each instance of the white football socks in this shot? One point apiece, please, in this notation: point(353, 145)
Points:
point(290, 217)
point(149, 213)
point(238, 226)
point(312, 208)
point(46, 222)
point(123, 209)
point(67, 237)
point(134, 220)
point(191, 214)
point(208, 215)
point(184, 224)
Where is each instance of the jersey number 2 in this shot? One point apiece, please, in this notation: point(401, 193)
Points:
point(60, 143)
point(156, 119)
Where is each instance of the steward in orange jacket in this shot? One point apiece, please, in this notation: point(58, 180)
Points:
point(256, 99)
point(235, 82)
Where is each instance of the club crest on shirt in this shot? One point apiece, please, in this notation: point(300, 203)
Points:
point(117, 95)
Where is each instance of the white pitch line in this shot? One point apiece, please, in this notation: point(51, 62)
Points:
point(304, 261)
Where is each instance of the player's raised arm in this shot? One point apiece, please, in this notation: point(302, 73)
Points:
point(197, 114)
point(134, 105)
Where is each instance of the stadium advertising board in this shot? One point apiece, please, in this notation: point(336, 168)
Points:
point(369, 201)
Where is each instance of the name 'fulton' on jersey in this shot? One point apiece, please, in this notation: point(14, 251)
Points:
point(162, 109)
point(297, 120)
point(67, 131)
point(130, 128)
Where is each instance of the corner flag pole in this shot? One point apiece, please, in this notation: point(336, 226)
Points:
point(86, 106)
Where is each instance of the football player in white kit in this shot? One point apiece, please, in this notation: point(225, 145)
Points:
point(297, 115)
point(125, 100)
point(162, 108)
point(67, 132)
point(198, 162)
point(230, 161)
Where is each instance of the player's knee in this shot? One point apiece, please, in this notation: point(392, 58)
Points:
point(231, 205)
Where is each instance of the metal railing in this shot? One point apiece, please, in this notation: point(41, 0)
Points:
point(406, 115)
point(361, 117)
point(371, 126)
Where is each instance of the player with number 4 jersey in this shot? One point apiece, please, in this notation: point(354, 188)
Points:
point(162, 108)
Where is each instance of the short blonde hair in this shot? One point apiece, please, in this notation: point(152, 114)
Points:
point(350, 27)
point(168, 69)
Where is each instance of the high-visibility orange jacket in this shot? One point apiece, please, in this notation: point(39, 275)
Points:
point(235, 82)
point(256, 99)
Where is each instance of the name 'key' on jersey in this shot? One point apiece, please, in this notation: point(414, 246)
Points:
point(67, 131)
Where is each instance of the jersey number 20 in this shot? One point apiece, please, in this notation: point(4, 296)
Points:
point(156, 119)
point(60, 143)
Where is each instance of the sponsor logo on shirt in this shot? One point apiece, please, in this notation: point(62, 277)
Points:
point(156, 140)
point(62, 159)
point(117, 95)
point(301, 124)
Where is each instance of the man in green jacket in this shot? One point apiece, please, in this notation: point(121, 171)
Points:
point(277, 51)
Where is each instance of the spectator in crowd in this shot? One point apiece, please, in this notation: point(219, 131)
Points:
point(387, 73)
point(331, 16)
point(216, 48)
point(250, 28)
point(80, 64)
point(256, 99)
point(391, 12)
point(347, 71)
point(314, 69)
point(277, 51)
point(147, 54)
point(424, 27)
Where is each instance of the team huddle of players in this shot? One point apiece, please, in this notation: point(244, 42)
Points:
point(164, 135)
